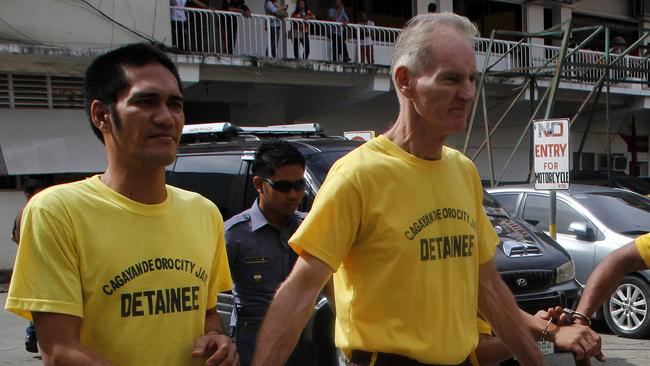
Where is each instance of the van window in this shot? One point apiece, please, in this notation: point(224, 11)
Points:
point(537, 209)
point(216, 177)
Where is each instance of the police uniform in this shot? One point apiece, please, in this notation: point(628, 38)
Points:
point(260, 260)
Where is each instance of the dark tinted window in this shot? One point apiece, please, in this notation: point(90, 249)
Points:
point(216, 177)
point(624, 212)
point(508, 201)
point(566, 216)
point(537, 209)
point(492, 206)
point(320, 163)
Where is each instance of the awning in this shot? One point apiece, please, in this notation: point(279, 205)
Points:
point(46, 141)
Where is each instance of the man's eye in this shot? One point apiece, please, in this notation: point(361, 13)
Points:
point(145, 101)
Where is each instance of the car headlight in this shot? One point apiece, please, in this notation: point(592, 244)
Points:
point(565, 272)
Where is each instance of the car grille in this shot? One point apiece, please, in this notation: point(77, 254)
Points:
point(521, 281)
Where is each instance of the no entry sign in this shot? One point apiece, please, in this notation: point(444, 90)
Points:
point(551, 151)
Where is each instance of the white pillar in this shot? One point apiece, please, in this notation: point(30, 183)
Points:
point(446, 6)
point(534, 20)
point(422, 6)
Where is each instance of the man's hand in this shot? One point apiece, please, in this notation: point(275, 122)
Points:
point(577, 337)
point(218, 348)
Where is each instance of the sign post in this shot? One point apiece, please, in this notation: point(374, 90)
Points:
point(551, 153)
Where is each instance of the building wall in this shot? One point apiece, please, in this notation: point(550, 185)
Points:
point(10, 203)
point(611, 8)
point(77, 25)
point(40, 141)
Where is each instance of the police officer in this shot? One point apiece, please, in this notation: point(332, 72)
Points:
point(257, 243)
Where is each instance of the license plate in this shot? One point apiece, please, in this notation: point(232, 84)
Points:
point(546, 347)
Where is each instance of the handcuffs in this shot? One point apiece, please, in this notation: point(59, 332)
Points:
point(570, 315)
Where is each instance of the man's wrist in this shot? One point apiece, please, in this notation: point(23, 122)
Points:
point(213, 332)
point(551, 331)
point(574, 316)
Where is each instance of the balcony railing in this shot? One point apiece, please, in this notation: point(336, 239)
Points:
point(263, 36)
point(222, 32)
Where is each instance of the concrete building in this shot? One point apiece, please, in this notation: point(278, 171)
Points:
point(45, 46)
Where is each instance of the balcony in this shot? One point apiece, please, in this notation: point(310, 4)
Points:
point(260, 37)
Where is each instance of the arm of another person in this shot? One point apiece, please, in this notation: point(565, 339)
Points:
point(58, 340)
point(497, 305)
point(607, 277)
point(291, 308)
point(15, 233)
point(215, 343)
point(579, 339)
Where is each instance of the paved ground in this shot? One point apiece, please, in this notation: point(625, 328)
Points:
point(620, 351)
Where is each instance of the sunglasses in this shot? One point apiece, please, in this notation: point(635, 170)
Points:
point(285, 185)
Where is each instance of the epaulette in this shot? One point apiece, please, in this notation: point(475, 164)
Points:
point(237, 219)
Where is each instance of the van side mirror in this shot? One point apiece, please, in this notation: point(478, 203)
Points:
point(582, 231)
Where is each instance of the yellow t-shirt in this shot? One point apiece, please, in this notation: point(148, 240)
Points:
point(642, 244)
point(483, 328)
point(406, 237)
point(140, 276)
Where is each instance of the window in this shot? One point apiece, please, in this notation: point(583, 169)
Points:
point(567, 215)
point(216, 177)
point(537, 211)
point(394, 8)
point(508, 201)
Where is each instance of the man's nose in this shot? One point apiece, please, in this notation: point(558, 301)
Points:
point(164, 116)
point(467, 91)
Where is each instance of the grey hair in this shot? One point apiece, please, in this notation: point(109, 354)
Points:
point(414, 42)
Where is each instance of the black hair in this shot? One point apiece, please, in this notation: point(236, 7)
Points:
point(32, 185)
point(273, 154)
point(105, 76)
point(432, 8)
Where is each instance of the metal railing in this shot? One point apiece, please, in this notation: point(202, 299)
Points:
point(581, 66)
point(230, 33)
point(223, 32)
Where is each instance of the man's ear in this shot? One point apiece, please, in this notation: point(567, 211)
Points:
point(101, 115)
point(258, 182)
point(403, 80)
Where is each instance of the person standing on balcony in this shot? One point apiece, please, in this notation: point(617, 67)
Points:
point(257, 243)
point(300, 30)
point(338, 33)
point(229, 23)
point(180, 39)
point(366, 42)
point(411, 270)
point(279, 12)
point(127, 267)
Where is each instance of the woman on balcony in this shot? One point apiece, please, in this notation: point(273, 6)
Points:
point(300, 29)
point(366, 39)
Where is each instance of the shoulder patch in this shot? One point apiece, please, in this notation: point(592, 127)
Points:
point(237, 219)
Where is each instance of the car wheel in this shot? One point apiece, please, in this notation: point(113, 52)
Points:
point(626, 311)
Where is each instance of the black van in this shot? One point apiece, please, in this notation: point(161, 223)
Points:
point(215, 160)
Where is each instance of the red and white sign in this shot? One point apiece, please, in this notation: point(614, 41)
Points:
point(552, 153)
